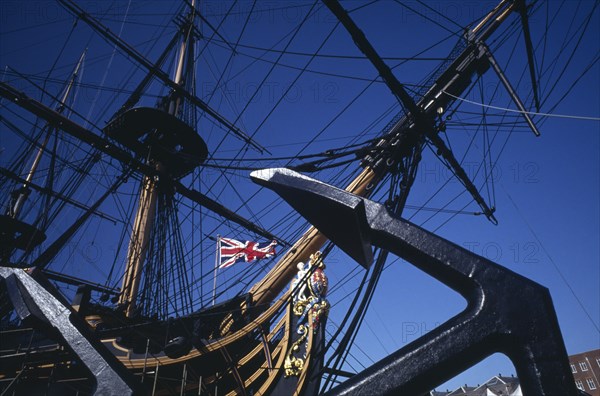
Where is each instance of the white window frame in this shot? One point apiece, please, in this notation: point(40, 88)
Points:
point(573, 368)
point(584, 366)
point(591, 383)
point(579, 384)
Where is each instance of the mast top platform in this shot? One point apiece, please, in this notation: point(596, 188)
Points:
point(17, 234)
point(162, 136)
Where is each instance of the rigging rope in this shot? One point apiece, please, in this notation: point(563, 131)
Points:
point(523, 112)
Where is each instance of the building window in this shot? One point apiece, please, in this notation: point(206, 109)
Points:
point(583, 366)
point(579, 384)
point(591, 383)
point(598, 361)
point(573, 368)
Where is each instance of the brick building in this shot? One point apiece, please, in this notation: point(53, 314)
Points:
point(586, 371)
point(585, 367)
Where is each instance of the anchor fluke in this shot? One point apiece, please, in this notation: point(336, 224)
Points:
point(329, 209)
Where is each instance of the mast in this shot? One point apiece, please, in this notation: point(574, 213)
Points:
point(156, 71)
point(148, 200)
point(409, 130)
point(16, 234)
point(24, 191)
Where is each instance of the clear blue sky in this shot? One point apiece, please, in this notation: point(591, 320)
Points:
point(546, 189)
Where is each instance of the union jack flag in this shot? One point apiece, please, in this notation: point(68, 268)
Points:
point(232, 251)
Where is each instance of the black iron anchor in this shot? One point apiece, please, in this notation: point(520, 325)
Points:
point(506, 312)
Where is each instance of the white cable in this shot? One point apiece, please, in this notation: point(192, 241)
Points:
point(523, 112)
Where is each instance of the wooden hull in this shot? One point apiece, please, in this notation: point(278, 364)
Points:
point(251, 360)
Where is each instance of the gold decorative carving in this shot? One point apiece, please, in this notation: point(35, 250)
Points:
point(309, 288)
point(293, 365)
